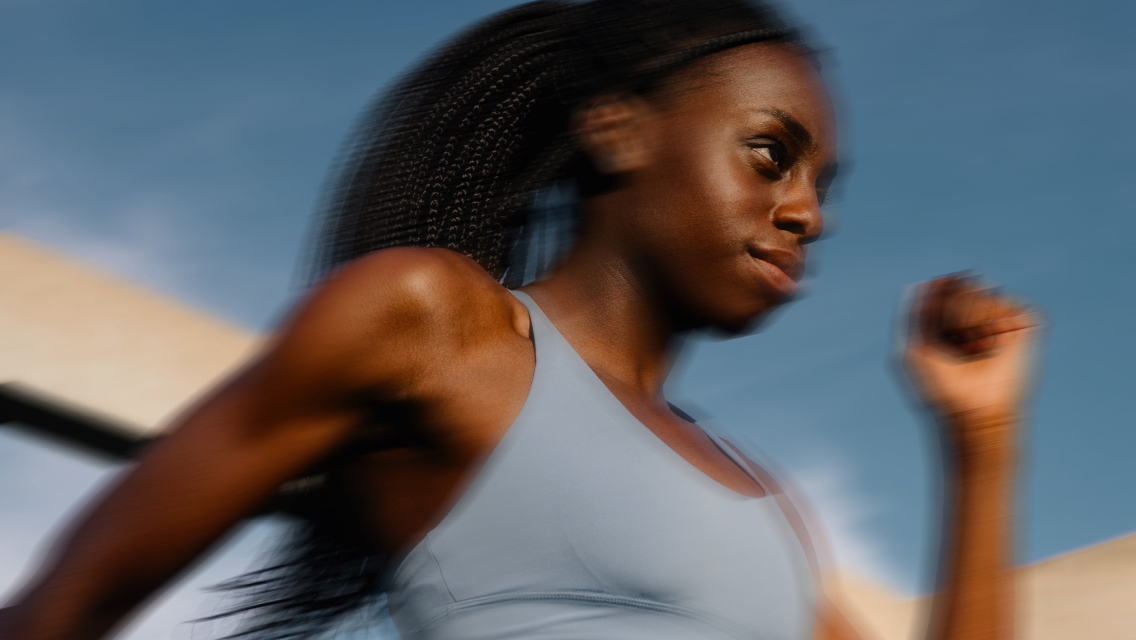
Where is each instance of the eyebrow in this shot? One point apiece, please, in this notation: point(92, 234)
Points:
point(796, 130)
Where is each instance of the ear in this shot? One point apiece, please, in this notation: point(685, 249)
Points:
point(612, 131)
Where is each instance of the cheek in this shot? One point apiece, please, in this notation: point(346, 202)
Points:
point(722, 202)
point(713, 212)
point(687, 177)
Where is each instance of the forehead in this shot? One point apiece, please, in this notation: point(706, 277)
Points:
point(759, 77)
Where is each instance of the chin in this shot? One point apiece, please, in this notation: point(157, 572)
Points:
point(725, 331)
point(744, 322)
point(725, 308)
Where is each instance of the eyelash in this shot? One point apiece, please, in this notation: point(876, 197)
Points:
point(777, 155)
point(776, 150)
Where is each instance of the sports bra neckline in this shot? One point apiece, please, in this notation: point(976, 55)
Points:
point(602, 389)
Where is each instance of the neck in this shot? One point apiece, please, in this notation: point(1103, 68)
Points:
point(614, 317)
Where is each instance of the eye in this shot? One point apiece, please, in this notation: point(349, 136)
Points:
point(768, 148)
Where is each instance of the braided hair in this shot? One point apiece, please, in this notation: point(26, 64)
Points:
point(460, 153)
point(453, 155)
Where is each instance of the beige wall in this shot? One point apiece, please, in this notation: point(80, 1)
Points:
point(1087, 594)
point(75, 333)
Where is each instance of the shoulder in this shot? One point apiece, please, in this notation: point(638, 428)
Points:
point(381, 319)
point(414, 288)
point(412, 300)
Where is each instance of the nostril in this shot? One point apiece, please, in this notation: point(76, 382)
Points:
point(794, 227)
point(801, 218)
point(806, 233)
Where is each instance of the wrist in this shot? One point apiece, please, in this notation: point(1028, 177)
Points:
point(985, 437)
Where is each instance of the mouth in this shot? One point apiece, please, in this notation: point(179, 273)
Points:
point(782, 269)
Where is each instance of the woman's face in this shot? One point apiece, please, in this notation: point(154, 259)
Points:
point(740, 157)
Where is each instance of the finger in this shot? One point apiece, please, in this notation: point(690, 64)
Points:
point(931, 320)
point(961, 307)
point(1015, 325)
point(1001, 313)
point(991, 316)
point(980, 310)
point(983, 335)
point(956, 307)
point(968, 307)
point(982, 307)
point(1020, 313)
point(976, 304)
point(1020, 319)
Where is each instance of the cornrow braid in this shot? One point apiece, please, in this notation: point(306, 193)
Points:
point(463, 153)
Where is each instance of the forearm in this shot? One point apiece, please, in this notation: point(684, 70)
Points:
point(49, 612)
point(975, 598)
point(127, 545)
point(160, 516)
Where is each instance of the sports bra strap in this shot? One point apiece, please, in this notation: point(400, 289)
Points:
point(738, 460)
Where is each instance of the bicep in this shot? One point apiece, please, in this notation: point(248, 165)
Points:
point(220, 462)
point(297, 403)
point(217, 463)
point(359, 340)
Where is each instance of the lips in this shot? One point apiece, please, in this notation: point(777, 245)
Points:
point(783, 269)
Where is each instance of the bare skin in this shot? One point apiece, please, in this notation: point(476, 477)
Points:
point(721, 186)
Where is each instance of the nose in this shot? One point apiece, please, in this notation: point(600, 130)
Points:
point(799, 213)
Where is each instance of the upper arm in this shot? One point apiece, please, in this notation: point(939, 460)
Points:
point(363, 336)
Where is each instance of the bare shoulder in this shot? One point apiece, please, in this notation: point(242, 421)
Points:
point(408, 288)
point(378, 322)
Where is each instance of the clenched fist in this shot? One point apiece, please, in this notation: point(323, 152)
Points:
point(968, 355)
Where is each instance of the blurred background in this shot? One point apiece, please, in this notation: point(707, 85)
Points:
point(183, 146)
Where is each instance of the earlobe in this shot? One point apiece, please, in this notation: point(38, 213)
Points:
point(610, 130)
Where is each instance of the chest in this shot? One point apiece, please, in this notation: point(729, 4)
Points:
point(579, 498)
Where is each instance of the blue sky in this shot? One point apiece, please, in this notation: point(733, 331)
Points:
point(184, 145)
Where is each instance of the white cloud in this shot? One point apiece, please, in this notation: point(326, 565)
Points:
point(825, 488)
point(843, 512)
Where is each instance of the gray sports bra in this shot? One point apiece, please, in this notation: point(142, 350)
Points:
point(583, 524)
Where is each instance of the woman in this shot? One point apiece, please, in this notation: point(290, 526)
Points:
point(501, 460)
